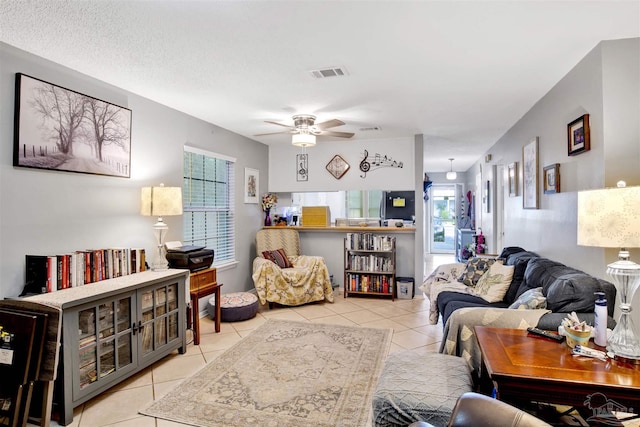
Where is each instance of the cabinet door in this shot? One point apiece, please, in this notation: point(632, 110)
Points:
point(105, 349)
point(159, 316)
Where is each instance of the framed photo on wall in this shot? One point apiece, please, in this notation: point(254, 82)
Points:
point(251, 185)
point(552, 179)
point(578, 135)
point(513, 179)
point(530, 175)
point(60, 129)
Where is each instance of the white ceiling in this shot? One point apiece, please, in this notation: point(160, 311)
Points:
point(459, 72)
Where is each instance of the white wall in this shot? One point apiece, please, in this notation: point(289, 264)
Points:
point(282, 166)
point(47, 212)
point(606, 85)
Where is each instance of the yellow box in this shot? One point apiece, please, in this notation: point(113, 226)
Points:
point(316, 216)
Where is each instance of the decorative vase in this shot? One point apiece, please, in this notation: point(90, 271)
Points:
point(267, 217)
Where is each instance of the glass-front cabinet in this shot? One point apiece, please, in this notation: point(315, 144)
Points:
point(159, 317)
point(106, 342)
point(117, 335)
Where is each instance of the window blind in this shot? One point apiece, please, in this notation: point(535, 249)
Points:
point(208, 203)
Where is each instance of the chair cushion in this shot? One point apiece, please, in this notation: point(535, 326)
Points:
point(419, 386)
point(279, 257)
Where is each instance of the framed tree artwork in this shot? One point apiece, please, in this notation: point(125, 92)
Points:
point(530, 178)
point(60, 129)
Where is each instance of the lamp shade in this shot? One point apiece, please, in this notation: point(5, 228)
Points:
point(303, 140)
point(451, 175)
point(609, 217)
point(161, 201)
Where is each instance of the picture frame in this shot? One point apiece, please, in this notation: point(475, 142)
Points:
point(578, 136)
point(530, 176)
point(59, 129)
point(337, 166)
point(251, 185)
point(302, 167)
point(551, 175)
point(512, 176)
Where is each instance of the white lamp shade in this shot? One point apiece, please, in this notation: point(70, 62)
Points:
point(303, 140)
point(451, 175)
point(161, 201)
point(609, 217)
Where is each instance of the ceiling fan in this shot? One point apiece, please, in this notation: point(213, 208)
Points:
point(305, 124)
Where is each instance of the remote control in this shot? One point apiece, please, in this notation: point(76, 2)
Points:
point(545, 334)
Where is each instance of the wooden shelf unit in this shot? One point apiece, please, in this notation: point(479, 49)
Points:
point(369, 265)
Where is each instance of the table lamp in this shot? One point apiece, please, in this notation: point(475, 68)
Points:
point(609, 218)
point(161, 201)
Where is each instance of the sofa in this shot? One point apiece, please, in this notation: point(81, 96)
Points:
point(537, 292)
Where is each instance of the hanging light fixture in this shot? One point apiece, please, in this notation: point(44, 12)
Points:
point(451, 175)
point(303, 139)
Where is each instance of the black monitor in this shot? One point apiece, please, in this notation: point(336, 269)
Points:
point(398, 205)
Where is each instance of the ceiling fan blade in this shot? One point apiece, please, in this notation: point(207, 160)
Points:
point(274, 133)
point(279, 124)
point(338, 134)
point(329, 124)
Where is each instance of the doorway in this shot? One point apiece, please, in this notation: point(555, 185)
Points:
point(442, 209)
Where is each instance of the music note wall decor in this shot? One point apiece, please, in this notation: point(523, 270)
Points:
point(302, 167)
point(377, 162)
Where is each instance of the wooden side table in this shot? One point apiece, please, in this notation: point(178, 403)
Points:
point(201, 284)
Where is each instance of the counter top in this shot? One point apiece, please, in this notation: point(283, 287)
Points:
point(354, 229)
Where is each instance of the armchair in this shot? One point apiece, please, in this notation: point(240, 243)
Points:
point(307, 281)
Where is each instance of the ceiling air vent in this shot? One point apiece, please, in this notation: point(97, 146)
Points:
point(329, 72)
point(371, 129)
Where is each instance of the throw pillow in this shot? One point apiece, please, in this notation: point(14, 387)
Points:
point(493, 285)
point(530, 300)
point(279, 257)
point(474, 270)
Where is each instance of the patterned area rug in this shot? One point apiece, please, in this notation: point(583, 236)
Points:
point(284, 374)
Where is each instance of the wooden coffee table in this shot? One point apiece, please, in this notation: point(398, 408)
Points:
point(527, 368)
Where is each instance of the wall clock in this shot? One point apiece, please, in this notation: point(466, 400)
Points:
point(337, 166)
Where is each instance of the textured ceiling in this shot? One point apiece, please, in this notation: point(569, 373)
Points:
point(461, 73)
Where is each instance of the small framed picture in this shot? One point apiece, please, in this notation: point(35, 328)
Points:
point(251, 185)
point(578, 136)
point(302, 167)
point(513, 179)
point(552, 179)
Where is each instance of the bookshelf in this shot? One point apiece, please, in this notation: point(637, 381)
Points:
point(113, 329)
point(369, 265)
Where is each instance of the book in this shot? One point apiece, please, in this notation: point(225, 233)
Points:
point(35, 275)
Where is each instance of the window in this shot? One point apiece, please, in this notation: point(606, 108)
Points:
point(208, 203)
point(363, 204)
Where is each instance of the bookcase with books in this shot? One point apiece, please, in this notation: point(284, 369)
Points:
point(115, 328)
point(369, 265)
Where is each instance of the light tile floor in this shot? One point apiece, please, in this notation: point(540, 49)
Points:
point(119, 406)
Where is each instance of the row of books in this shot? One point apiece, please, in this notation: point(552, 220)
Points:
point(369, 242)
point(369, 262)
point(50, 273)
point(369, 283)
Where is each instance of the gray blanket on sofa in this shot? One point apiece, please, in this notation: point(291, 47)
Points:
point(459, 337)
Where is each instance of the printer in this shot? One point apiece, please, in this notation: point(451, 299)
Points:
point(192, 257)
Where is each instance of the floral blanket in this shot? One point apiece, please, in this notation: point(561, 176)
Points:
point(307, 281)
point(459, 337)
point(443, 278)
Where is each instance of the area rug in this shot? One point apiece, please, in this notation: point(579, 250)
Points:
point(284, 374)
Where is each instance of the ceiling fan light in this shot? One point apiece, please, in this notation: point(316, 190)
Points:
point(303, 140)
